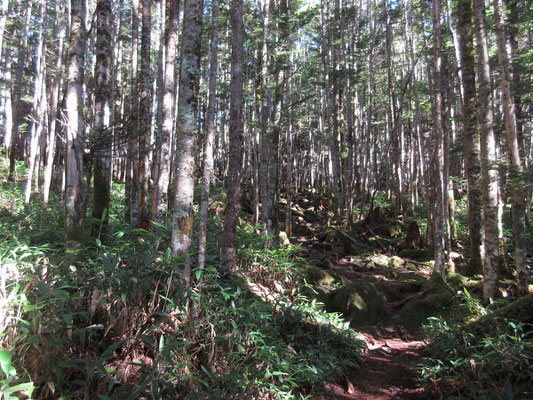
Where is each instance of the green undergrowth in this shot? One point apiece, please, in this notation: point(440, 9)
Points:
point(120, 324)
point(493, 362)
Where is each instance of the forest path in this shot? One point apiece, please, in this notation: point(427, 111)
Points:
point(387, 372)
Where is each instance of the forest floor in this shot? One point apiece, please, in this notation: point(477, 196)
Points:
point(392, 350)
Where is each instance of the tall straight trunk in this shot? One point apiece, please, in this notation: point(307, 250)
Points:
point(145, 115)
point(207, 173)
point(349, 171)
point(158, 105)
point(233, 202)
point(439, 222)
point(102, 133)
point(330, 118)
point(169, 94)
point(8, 105)
point(516, 181)
point(39, 102)
point(59, 33)
point(131, 211)
point(393, 119)
point(489, 167)
point(277, 109)
point(19, 108)
point(182, 216)
point(290, 156)
point(264, 146)
point(74, 201)
point(472, 144)
point(3, 20)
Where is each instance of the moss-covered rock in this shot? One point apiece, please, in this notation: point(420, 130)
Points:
point(319, 277)
point(396, 262)
point(436, 298)
point(359, 302)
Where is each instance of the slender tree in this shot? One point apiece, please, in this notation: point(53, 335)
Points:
point(471, 137)
point(207, 172)
point(39, 102)
point(438, 232)
point(489, 167)
point(102, 133)
point(55, 88)
point(233, 201)
point(182, 216)
point(145, 115)
point(518, 204)
point(160, 201)
point(264, 146)
point(74, 194)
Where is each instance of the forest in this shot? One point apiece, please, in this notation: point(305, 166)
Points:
point(266, 199)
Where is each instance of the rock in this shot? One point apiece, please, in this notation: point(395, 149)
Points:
point(319, 277)
point(359, 302)
point(284, 240)
point(396, 262)
point(436, 298)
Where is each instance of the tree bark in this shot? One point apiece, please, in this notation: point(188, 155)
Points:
point(516, 181)
point(39, 102)
point(472, 144)
point(59, 33)
point(169, 95)
point(440, 183)
point(233, 202)
point(489, 167)
point(102, 133)
point(145, 115)
point(131, 211)
point(74, 200)
point(264, 147)
point(207, 173)
point(182, 218)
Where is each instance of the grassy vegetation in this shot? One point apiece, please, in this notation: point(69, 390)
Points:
point(120, 325)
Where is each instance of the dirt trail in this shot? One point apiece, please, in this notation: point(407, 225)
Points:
point(392, 351)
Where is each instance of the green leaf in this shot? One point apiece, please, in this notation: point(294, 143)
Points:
point(18, 388)
point(5, 361)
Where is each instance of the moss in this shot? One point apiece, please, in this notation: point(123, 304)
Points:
point(436, 298)
point(319, 277)
point(396, 262)
point(457, 281)
point(359, 302)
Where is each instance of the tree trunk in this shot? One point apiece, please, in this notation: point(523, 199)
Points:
point(102, 133)
point(182, 217)
point(516, 170)
point(3, 19)
point(264, 148)
point(59, 33)
point(169, 95)
point(131, 211)
point(229, 253)
point(39, 103)
point(207, 173)
point(20, 108)
point(145, 115)
point(440, 183)
point(471, 138)
point(489, 167)
point(74, 201)
point(8, 105)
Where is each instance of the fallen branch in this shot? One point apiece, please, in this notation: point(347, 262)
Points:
point(377, 239)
